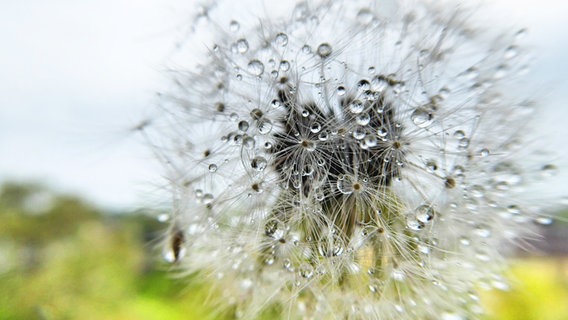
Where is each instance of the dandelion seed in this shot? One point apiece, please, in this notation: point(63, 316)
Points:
point(372, 177)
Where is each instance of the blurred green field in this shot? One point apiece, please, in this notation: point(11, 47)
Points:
point(60, 258)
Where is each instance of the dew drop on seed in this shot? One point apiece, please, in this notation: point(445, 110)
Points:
point(431, 166)
point(212, 168)
point(284, 65)
point(340, 91)
point(459, 134)
point(243, 125)
point(484, 152)
point(323, 136)
point(344, 185)
point(234, 26)
point(371, 141)
point(359, 133)
point(315, 127)
point(264, 126)
point(549, 170)
point(421, 118)
point(463, 143)
point(275, 104)
point(207, 198)
point(363, 85)
point(259, 163)
point(363, 119)
point(324, 50)
point(242, 45)
point(365, 16)
point(544, 220)
point(306, 271)
point(424, 214)
point(281, 39)
point(382, 132)
point(356, 106)
point(413, 224)
point(256, 67)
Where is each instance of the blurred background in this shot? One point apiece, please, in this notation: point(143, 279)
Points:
point(77, 239)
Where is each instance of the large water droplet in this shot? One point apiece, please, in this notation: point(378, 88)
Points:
point(421, 117)
point(284, 65)
point(234, 26)
point(359, 133)
point(242, 45)
point(281, 39)
point(324, 50)
point(264, 126)
point(424, 213)
point(212, 167)
point(365, 16)
point(243, 125)
point(363, 119)
point(259, 163)
point(256, 67)
point(356, 106)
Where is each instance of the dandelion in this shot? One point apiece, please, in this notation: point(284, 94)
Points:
point(352, 160)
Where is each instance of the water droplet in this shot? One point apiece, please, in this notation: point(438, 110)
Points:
point(212, 167)
point(306, 271)
point(242, 45)
point(256, 67)
point(359, 133)
point(463, 143)
point(421, 117)
point(264, 126)
point(363, 119)
point(281, 39)
point(371, 141)
point(424, 213)
point(259, 163)
point(315, 127)
point(243, 125)
point(344, 185)
point(356, 106)
point(284, 65)
point(431, 166)
point(306, 49)
point(549, 170)
point(323, 136)
point(459, 134)
point(234, 26)
point(544, 220)
point(340, 91)
point(163, 217)
point(365, 16)
point(484, 152)
point(207, 198)
point(324, 50)
point(414, 224)
point(382, 132)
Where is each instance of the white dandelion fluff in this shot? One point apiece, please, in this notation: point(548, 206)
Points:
point(351, 160)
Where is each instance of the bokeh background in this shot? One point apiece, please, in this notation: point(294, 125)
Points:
point(80, 191)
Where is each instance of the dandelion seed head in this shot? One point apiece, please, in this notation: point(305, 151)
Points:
point(352, 159)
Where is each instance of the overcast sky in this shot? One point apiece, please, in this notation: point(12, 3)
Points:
point(75, 75)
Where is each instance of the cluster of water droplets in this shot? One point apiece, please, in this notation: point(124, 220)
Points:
point(360, 169)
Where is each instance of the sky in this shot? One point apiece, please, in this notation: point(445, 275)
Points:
point(77, 75)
